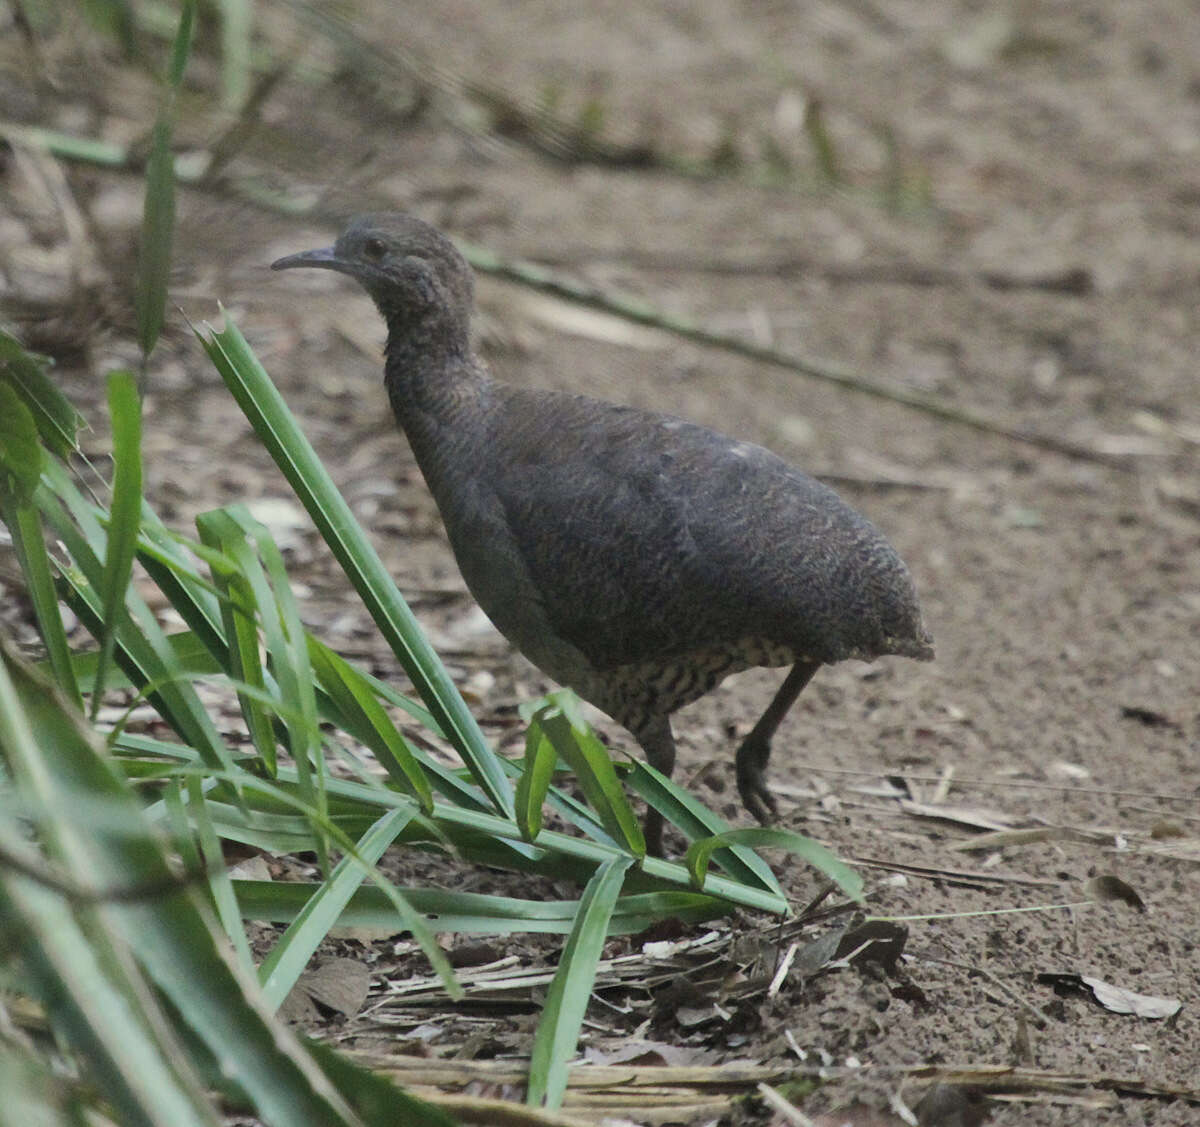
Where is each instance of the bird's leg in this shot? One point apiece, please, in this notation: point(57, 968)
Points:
point(752, 756)
point(659, 745)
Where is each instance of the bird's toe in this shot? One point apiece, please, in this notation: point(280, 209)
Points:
point(757, 797)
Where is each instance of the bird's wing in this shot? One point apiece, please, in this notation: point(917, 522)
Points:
point(646, 536)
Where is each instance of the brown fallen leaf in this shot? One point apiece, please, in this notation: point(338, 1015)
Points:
point(1109, 887)
point(1149, 717)
point(298, 1008)
point(340, 985)
point(876, 941)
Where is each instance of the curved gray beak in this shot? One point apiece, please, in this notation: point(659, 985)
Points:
point(326, 259)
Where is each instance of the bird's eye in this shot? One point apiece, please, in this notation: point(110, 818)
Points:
point(374, 249)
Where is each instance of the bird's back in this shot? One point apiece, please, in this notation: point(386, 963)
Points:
point(645, 537)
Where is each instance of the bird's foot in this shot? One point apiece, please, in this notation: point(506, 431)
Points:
point(760, 802)
point(752, 782)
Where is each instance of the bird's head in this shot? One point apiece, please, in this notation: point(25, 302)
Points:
point(416, 276)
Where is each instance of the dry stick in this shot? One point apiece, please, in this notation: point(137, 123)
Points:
point(634, 1081)
point(782, 1106)
point(633, 309)
point(1071, 281)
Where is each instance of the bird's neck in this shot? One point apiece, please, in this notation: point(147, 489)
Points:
point(439, 393)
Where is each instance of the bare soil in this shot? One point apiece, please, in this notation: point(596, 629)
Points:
point(1042, 266)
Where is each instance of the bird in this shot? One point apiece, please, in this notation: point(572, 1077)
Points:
point(635, 557)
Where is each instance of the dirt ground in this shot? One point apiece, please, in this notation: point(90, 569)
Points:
point(1041, 266)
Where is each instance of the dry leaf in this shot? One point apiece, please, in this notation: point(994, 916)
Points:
point(1148, 717)
point(876, 941)
point(1115, 998)
point(252, 868)
point(338, 984)
point(817, 953)
point(1122, 1001)
point(691, 1016)
point(298, 1008)
point(1108, 887)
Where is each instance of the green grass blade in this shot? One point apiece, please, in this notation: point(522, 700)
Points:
point(86, 150)
point(204, 651)
point(685, 811)
point(98, 1002)
point(287, 960)
point(287, 644)
point(142, 648)
point(287, 649)
point(26, 531)
point(572, 810)
point(563, 723)
point(237, 24)
point(96, 1011)
point(191, 656)
point(274, 833)
point(182, 44)
point(534, 783)
point(57, 421)
point(180, 828)
point(422, 715)
point(219, 883)
point(21, 462)
point(173, 937)
point(700, 852)
point(238, 609)
point(20, 451)
point(277, 428)
point(565, 856)
point(126, 410)
point(474, 912)
point(478, 838)
point(356, 702)
point(253, 824)
point(162, 555)
point(566, 1002)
